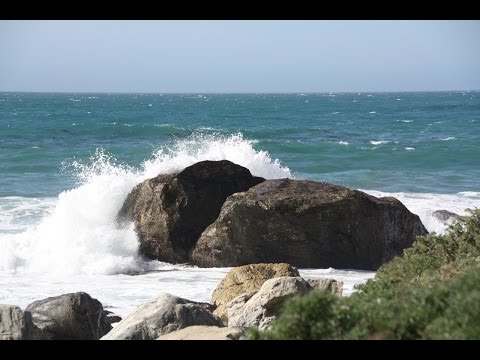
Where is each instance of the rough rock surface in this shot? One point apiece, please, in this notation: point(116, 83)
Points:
point(75, 316)
point(444, 216)
point(164, 314)
point(330, 285)
point(307, 224)
point(15, 324)
point(260, 308)
point(171, 211)
point(244, 279)
point(203, 333)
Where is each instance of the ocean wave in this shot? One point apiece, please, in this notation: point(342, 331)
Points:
point(449, 138)
point(424, 204)
point(379, 142)
point(77, 233)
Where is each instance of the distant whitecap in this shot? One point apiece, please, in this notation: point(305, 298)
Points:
point(409, 148)
point(379, 142)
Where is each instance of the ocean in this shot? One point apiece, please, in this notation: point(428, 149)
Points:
point(68, 161)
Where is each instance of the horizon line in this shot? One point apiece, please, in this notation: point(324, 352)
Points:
point(234, 92)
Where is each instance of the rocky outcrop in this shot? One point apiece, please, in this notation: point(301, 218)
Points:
point(445, 216)
point(15, 324)
point(75, 316)
point(164, 314)
point(307, 224)
point(330, 285)
point(245, 279)
point(203, 333)
point(260, 308)
point(171, 211)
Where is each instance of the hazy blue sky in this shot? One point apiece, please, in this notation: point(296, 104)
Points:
point(239, 56)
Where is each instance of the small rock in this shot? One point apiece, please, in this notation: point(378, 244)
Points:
point(331, 285)
point(262, 307)
point(445, 216)
point(203, 333)
point(75, 316)
point(15, 324)
point(247, 278)
point(162, 315)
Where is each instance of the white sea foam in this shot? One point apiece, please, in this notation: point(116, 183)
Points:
point(409, 148)
point(449, 138)
point(372, 112)
point(78, 234)
point(379, 142)
point(406, 121)
point(423, 204)
point(343, 142)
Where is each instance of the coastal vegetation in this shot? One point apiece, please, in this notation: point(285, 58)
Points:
point(431, 291)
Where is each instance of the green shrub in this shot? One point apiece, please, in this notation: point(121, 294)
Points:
point(431, 292)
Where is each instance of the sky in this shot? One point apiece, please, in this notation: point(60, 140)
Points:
point(239, 56)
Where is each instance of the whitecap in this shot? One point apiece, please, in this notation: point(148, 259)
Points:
point(372, 112)
point(449, 138)
point(409, 148)
point(379, 142)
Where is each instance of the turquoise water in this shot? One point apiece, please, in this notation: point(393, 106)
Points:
point(392, 142)
point(68, 161)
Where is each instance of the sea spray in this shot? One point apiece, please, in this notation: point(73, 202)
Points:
point(80, 236)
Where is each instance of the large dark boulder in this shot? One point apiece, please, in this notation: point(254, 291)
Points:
point(171, 211)
point(307, 224)
point(75, 316)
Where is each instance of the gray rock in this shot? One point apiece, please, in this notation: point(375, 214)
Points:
point(260, 308)
point(445, 216)
point(75, 316)
point(15, 324)
point(307, 224)
point(171, 211)
point(164, 314)
point(203, 333)
point(330, 285)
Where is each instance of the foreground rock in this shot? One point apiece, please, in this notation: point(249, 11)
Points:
point(246, 279)
point(260, 308)
point(445, 216)
point(307, 224)
point(75, 316)
point(330, 285)
point(204, 333)
point(15, 324)
point(171, 211)
point(161, 316)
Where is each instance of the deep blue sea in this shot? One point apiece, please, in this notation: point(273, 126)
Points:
point(68, 160)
